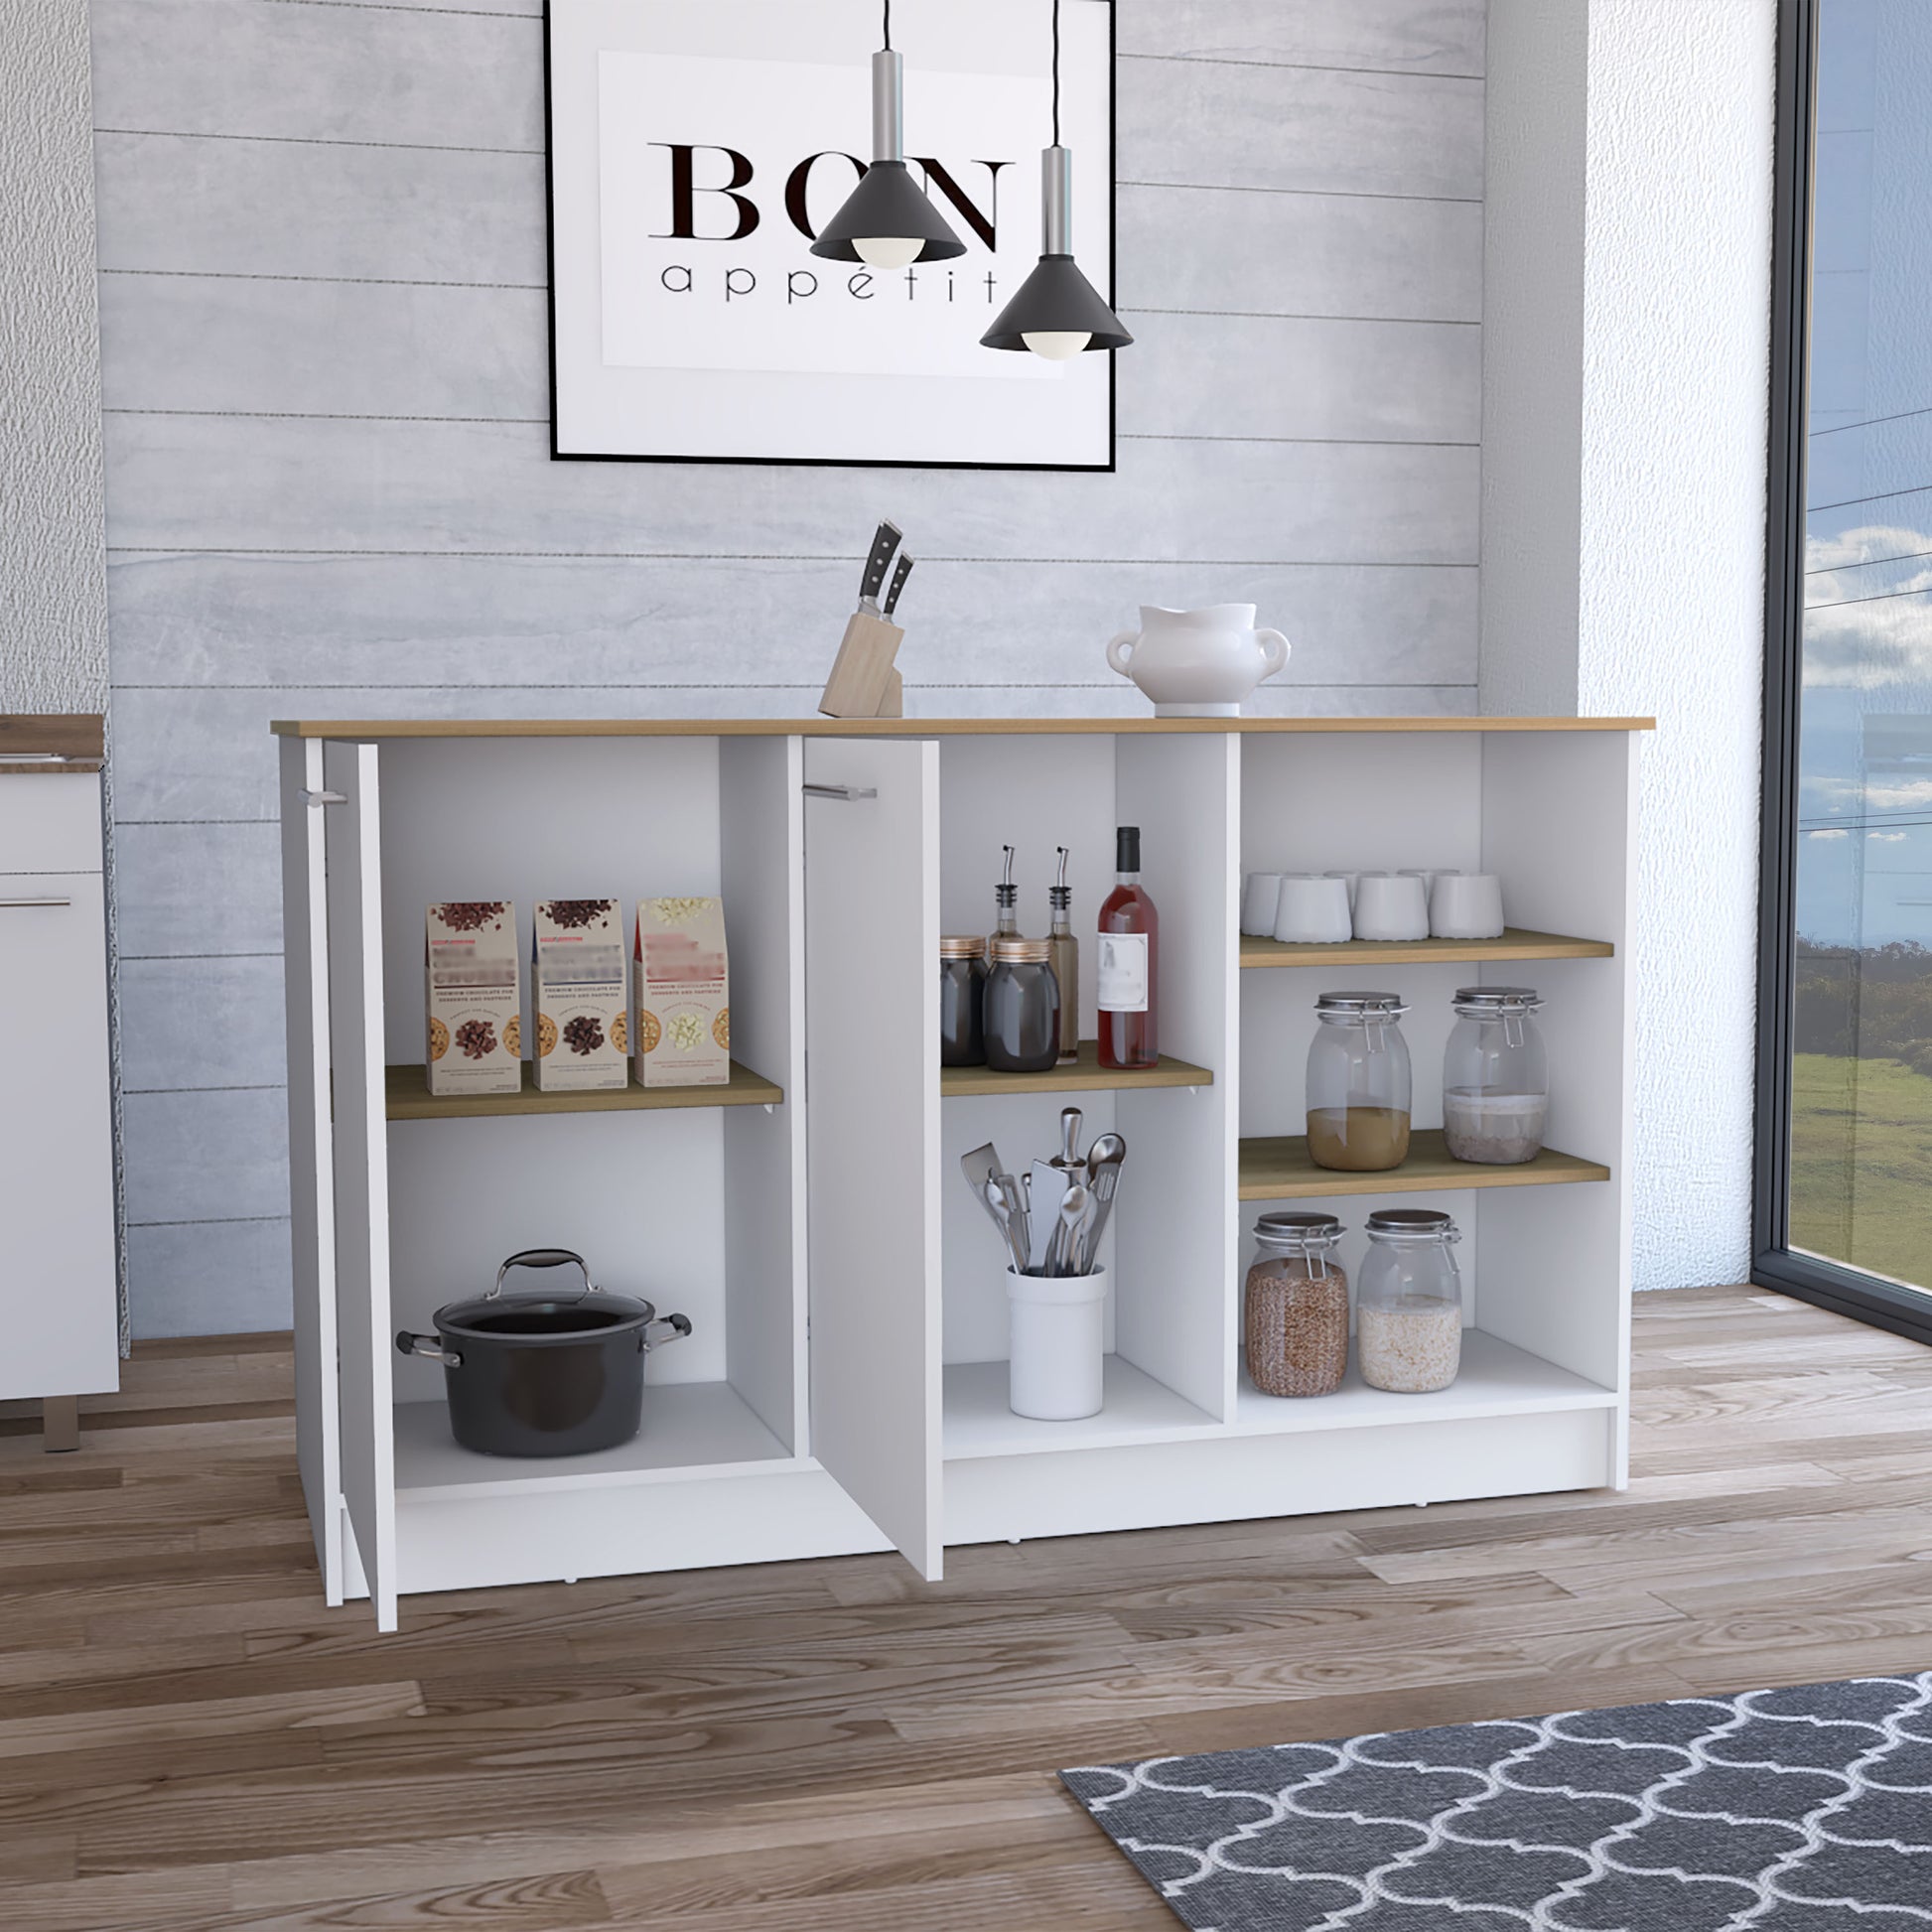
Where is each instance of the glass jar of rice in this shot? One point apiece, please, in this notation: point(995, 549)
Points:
point(1409, 1303)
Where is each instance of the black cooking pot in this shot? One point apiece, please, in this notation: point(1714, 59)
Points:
point(543, 1374)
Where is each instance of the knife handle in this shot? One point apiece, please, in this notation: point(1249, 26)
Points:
point(899, 575)
point(883, 547)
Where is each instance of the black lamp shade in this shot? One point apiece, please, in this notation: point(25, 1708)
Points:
point(1056, 298)
point(887, 201)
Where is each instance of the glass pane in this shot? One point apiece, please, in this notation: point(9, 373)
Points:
point(1861, 1087)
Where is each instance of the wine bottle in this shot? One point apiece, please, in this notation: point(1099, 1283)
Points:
point(1064, 950)
point(1129, 962)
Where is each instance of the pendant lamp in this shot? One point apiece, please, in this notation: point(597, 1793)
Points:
point(888, 219)
point(1058, 311)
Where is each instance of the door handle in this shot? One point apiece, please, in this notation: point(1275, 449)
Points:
point(850, 793)
point(12, 902)
point(314, 799)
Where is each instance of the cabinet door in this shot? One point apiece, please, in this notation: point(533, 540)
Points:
point(872, 1086)
point(57, 1181)
point(312, 1193)
point(361, 1177)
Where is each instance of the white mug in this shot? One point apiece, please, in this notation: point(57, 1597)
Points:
point(1258, 898)
point(1350, 878)
point(1313, 911)
point(1391, 906)
point(1466, 905)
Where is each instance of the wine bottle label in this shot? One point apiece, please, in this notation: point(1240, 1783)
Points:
point(1123, 972)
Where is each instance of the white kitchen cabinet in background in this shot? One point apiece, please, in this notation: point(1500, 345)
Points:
point(59, 1334)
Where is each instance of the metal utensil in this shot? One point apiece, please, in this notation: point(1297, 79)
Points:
point(1104, 1160)
point(979, 1164)
point(877, 561)
point(1062, 1247)
point(1012, 1226)
point(1046, 1188)
point(1069, 1158)
point(899, 575)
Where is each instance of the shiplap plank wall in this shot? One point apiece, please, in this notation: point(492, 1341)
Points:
point(322, 318)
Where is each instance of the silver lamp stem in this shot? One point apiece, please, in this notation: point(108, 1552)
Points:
point(1056, 201)
point(888, 106)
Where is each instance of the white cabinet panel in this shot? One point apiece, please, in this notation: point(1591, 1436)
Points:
point(50, 821)
point(872, 1071)
point(361, 1177)
point(57, 1195)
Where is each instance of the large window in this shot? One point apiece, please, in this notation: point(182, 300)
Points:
point(1844, 1172)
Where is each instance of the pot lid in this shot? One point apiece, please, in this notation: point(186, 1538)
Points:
point(495, 1318)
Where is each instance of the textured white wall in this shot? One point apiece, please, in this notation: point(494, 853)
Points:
point(1626, 360)
point(53, 582)
point(1671, 601)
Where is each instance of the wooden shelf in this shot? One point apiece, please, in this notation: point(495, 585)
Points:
point(1279, 1170)
point(1517, 942)
point(1138, 724)
point(1084, 1075)
point(407, 1097)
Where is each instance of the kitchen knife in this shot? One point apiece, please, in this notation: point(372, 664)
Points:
point(877, 564)
point(899, 575)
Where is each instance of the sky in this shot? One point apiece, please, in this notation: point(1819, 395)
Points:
point(1865, 850)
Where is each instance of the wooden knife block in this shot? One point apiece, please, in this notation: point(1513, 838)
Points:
point(864, 682)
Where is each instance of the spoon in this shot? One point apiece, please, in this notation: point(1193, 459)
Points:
point(1104, 1160)
point(1062, 1248)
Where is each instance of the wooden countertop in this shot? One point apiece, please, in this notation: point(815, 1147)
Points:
point(52, 741)
point(364, 728)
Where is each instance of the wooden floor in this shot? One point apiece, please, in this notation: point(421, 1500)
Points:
point(187, 1739)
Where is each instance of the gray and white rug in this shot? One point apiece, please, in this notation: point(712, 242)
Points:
point(1806, 1810)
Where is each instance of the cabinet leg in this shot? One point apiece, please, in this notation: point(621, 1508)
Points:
point(60, 1424)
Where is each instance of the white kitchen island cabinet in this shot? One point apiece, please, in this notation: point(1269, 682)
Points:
point(844, 1385)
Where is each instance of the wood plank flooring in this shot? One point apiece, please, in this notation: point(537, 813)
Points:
point(190, 1740)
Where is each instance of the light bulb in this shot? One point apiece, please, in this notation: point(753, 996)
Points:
point(888, 250)
point(1056, 344)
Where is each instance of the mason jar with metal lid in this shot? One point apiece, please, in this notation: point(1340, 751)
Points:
point(1409, 1303)
point(1495, 1076)
point(1022, 1007)
point(1358, 1083)
point(962, 990)
point(1296, 1306)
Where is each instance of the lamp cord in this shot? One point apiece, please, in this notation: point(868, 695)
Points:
point(888, 25)
point(1057, 71)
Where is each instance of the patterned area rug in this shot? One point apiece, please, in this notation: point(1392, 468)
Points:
point(1806, 1810)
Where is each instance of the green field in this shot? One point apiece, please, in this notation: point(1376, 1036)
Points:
point(1861, 1164)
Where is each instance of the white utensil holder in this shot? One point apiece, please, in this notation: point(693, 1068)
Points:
point(1055, 1345)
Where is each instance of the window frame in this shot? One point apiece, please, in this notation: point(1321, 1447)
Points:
point(1774, 1263)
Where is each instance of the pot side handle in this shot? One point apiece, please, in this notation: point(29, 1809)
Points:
point(648, 1337)
point(1120, 649)
point(429, 1348)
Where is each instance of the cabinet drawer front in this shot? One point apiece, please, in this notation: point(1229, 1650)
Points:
point(56, 1193)
point(50, 821)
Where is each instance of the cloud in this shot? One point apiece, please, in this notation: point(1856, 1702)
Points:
point(1827, 835)
point(1886, 838)
point(1866, 622)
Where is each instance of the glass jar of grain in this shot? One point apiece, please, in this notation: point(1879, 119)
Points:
point(1409, 1303)
point(1358, 1083)
point(1296, 1320)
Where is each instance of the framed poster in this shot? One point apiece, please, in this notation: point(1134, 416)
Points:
point(695, 149)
